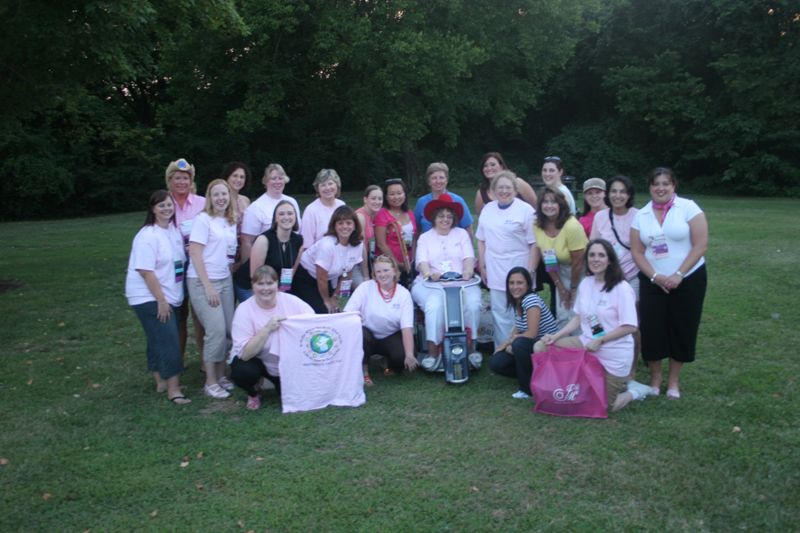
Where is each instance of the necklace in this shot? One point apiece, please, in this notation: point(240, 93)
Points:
point(387, 297)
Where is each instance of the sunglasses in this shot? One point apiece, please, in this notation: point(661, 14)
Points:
point(393, 180)
point(552, 158)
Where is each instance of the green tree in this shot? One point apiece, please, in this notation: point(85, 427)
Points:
point(80, 85)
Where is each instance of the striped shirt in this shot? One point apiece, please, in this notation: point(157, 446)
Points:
point(547, 324)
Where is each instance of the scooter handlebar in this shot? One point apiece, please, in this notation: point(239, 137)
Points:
point(453, 280)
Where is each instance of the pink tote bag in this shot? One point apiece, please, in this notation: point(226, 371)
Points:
point(569, 382)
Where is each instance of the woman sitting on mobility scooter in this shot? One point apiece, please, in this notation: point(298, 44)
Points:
point(605, 312)
point(387, 317)
point(445, 248)
point(532, 320)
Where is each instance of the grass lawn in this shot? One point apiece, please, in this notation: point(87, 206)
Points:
point(88, 445)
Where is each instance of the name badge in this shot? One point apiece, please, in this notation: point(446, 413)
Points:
point(231, 252)
point(344, 288)
point(179, 267)
point(659, 247)
point(597, 328)
point(446, 266)
point(550, 260)
point(285, 282)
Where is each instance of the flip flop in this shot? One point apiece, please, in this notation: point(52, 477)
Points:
point(180, 400)
point(673, 394)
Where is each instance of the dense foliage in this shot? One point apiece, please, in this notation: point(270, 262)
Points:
point(98, 96)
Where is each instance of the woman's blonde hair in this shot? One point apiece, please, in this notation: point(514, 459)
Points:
point(230, 211)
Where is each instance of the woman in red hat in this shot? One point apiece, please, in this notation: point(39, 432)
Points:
point(445, 248)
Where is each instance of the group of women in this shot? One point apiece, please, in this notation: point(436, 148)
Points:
point(641, 271)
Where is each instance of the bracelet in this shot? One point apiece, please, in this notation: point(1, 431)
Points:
point(653, 279)
point(679, 273)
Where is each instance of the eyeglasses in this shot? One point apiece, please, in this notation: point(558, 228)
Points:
point(182, 164)
point(552, 158)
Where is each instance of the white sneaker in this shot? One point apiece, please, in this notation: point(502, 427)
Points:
point(639, 390)
point(215, 391)
point(476, 360)
point(520, 395)
point(225, 383)
point(430, 363)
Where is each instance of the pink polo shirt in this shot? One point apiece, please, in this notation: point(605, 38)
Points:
point(184, 215)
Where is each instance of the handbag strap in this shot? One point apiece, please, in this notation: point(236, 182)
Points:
point(399, 230)
point(614, 229)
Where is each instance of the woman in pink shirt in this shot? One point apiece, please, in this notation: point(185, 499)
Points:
point(614, 225)
point(605, 313)
point(373, 202)
point(594, 195)
point(395, 227)
point(318, 213)
point(255, 321)
point(179, 177)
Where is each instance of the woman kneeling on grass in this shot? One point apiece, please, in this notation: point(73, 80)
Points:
point(387, 317)
point(532, 320)
point(253, 324)
point(154, 288)
point(605, 311)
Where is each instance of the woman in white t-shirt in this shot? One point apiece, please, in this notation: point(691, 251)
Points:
point(505, 240)
point(387, 318)
point(669, 237)
point(212, 249)
point(325, 277)
point(605, 313)
point(154, 289)
point(254, 322)
point(552, 172)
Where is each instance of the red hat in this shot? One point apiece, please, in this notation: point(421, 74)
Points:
point(446, 201)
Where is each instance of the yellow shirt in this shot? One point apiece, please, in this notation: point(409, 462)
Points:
point(571, 238)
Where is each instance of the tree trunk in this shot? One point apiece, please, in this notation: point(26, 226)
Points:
point(411, 160)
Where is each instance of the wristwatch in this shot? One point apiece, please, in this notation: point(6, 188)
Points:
point(679, 273)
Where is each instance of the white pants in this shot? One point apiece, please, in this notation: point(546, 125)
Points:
point(502, 316)
point(216, 320)
point(431, 301)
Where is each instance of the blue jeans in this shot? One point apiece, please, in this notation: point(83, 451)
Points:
point(241, 293)
point(163, 346)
